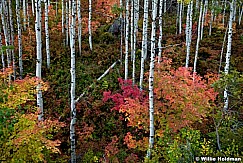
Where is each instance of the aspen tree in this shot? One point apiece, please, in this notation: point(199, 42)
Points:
point(222, 49)
point(228, 54)
point(197, 5)
point(160, 29)
point(89, 25)
point(19, 39)
point(79, 27)
point(47, 35)
point(126, 39)
point(4, 15)
point(3, 62)
point(177, 16)
point(203, 17)
point(136, 17)
point(132, 28)
point(198, 38)
point(180, 18)
point(188, 31)
point(164, 6)
point(33, 7)
point(144, 42)
point(224, 10)
point(24, 14)
point(211, 20)
point(240, 12)
point(73, 82)
point(39, 57)
point(151, 79)
point(11, 41)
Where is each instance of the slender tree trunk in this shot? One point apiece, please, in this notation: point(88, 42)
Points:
point(126, 39)
point(73, 82)
point(198, 38)
point(222, 50)
point(180, 18)
point(228, 54)
point(160, 30)
point(24, 14)
point(89, 25)
point(39, 57)
point(47, 35)
point(79, 28)
point(240, 13)
point(144, 42)
point(151, 79)
point(136, 14)
point(164, 6)
point(188, 29)
point(203, 17)
point(224, 10)
point(132, 28)
point(4, 15)
point(211, 20)
point(19, 39)
point(33, 7)
point(12, 36)
point(177, 16)
point(3, 62)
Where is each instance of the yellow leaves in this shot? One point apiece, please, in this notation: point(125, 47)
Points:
point(19, 91)
point(29, 138)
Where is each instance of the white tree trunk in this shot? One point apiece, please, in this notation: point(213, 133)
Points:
point(79, 28)
point(211, 20)
point(3, 62)
point(203, 17)
point(39, 57)
point(151, 78)
point(132, 28)
point(24, 14)
point(33, 7)
point(188, 32)
point(164, 6)
point(222, 49)
point(135, 29)
point(89, 25)
point(126, 39)
point(228, 54)
point(73, 82)
point(4, 14)
point(12, 36)
point(19, 39)
point(198, 38)
point(144, 42)
point(224, 10)
point(47, 35)
point(180, 18)
point(160, 30)
point(177, 16)
point(240, 13)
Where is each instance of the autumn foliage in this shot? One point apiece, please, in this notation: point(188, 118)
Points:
point(181, 99)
